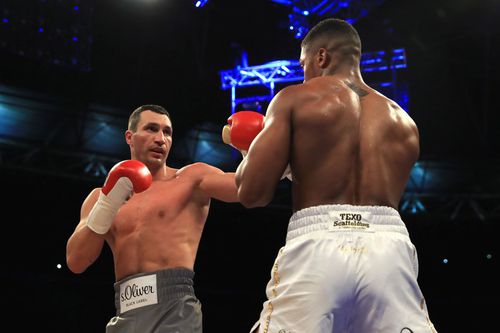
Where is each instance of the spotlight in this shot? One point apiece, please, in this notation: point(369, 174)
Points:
point(200, 3)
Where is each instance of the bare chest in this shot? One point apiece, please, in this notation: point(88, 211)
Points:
point(163, 205)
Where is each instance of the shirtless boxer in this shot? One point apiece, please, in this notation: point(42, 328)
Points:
point(152, 217)
point(348, 264)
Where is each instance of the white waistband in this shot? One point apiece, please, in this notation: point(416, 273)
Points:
point(345, 218)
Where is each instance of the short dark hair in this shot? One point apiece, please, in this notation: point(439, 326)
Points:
point(333, 29)
point(135, 116)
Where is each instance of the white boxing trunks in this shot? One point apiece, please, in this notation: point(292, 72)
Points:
point(345, 269)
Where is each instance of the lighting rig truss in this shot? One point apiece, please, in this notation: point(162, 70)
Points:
point(288, 71)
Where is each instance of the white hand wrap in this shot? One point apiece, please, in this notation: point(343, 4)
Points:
point(103, 213)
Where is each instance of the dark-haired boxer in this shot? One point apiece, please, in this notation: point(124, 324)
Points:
point(152, 217)
point(348, 264)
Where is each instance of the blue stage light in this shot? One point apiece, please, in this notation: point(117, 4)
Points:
point(200, 3)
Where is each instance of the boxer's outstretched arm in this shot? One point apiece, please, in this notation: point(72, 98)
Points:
point(221, 187)
point(217, 184)
point(268, 156)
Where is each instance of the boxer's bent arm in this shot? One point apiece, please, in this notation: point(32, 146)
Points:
point(261, 170)
point(218, 184)
point(84, 246)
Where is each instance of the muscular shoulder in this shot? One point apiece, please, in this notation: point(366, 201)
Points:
point(319, 88)
point(291, 97)
point(388, 117)
point(301, 90)
point(395, 112)
point(198, 169)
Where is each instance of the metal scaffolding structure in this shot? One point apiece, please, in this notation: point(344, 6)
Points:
point(273, 73)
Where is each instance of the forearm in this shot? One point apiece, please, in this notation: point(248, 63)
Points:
point(83, 248)
point(99, 209)
point(224, 188)
point(250, 192)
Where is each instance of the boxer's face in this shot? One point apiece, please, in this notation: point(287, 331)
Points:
point(152, 141)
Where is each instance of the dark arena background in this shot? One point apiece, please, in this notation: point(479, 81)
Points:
point(71, 71)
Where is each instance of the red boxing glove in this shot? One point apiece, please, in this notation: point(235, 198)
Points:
point(123, 178)
point(242, 128)
point(134, 170)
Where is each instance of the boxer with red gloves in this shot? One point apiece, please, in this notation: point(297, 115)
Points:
point(351, 150)
point(123, 179)
point(242, 128)
point(153, 234)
